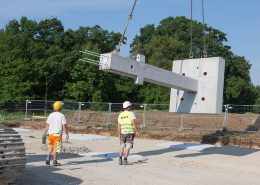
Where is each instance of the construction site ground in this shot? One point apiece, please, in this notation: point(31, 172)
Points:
point(157, 157)
point(149, 163)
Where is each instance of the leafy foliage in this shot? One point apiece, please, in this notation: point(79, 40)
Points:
point(257, 90)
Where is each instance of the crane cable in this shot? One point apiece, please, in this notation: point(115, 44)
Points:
point(191, 39)
point(205, 52)
point(117, 50)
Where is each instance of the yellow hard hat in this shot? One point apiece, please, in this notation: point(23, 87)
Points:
point(57, 105)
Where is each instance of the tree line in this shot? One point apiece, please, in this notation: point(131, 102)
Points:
point(40, 60)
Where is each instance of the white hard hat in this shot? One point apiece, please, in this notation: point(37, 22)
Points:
point(126, 104)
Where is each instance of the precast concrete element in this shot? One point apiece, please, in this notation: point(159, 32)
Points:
point(197, 84)
point(132, 158)
point(138, 70)
point(12, 155)
point(209, 72)
point(186, 146)
point(87, 137)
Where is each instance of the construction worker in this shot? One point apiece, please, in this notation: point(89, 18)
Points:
point(127, 130)
point(56, 125)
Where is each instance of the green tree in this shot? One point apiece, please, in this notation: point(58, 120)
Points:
point(15, 60)
point(41, 60)
point(257, 89)
point(86, 82)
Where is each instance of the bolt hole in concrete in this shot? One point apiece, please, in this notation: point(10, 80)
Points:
point(205, 73)
point(132, 67)
point(182, 99)
point(183, 74)
point(203, 98)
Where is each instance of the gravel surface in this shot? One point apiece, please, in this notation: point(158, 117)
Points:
point(150, 164)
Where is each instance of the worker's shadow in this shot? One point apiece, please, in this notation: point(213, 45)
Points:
point(42, 175)
point(41, 157)
point(62, 156)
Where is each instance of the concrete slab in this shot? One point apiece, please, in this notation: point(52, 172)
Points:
point(104, 155)
point(86, 137)
point(136, 158)
point(22, 130)
point(186, 146)
point(112, 155)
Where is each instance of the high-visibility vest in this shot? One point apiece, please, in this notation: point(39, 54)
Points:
point(125, 122)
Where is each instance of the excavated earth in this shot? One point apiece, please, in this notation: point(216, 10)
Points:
point(242, 129)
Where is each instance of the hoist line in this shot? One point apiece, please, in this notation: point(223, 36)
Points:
point(117, 50)
point(205, 53)
point(191, 39)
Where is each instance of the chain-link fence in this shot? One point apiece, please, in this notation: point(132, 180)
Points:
point(150, 116)
point(241, 117)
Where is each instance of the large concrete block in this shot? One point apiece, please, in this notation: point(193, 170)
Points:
point(209, 72)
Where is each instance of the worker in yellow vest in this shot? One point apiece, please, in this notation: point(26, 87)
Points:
point(127, 130)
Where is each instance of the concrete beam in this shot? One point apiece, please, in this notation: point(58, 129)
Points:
point(140, 71)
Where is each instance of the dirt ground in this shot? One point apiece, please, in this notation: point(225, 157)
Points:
point(224, 165)
point(200, 128)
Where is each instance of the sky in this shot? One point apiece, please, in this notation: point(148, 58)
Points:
point(239, 19)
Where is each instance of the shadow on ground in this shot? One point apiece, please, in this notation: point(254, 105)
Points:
point(43, 175)
point(225, 150)
point(257, 123)
point(88, 161)
point(72, 157)
point(41, 157)
point(109, 156)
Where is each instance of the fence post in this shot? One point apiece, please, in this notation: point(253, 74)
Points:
point(225, 116)
point(109, 113)
point(45, 107)
point(26, 109)
point(181, 126)
point(79, 110)
point(144, 114)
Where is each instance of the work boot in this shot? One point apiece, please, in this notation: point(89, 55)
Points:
point(120, 161)
point(47, 160)
point(125, 162)
point(55, 163)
